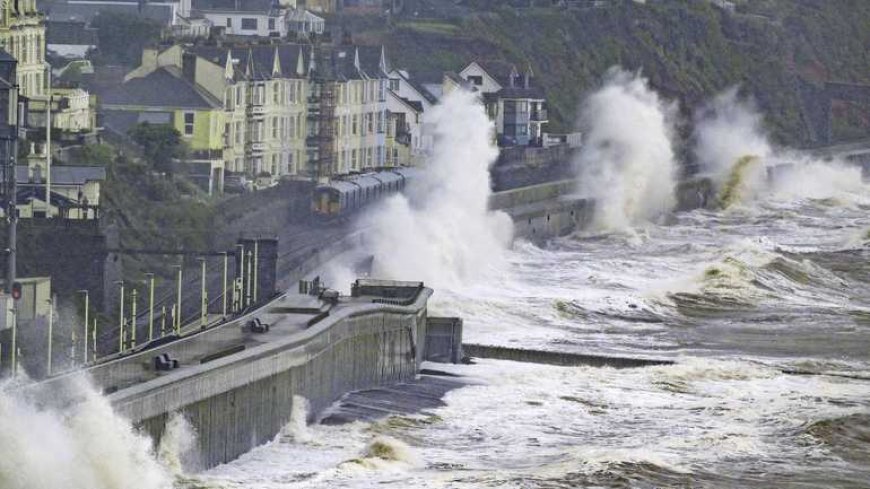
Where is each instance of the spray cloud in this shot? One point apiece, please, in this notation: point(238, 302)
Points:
point(444, 233)
point(85, 446)
point(627, 160)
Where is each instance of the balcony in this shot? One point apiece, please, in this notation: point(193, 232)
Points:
point(540, 115)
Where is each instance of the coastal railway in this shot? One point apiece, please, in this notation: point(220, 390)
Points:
point(340, 198)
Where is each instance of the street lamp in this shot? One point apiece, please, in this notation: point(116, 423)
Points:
point(178, 301)
point(224, 283)
point(150, 306)
point(203, 319)
point(50, 332)
point(85, 333)
point(121, 319)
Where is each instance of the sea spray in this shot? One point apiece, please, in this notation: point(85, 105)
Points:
point(627, 160)
point(82, 446)
point(738, 185)
point(727, 129)
point(296, 430)
point(176, 450)
point(443, 232)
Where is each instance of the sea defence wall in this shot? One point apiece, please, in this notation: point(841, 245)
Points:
point(237, 388)
point(544, 210)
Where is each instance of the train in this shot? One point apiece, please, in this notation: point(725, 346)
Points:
point(343, 197)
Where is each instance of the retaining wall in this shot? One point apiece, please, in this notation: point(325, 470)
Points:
point(242, 400)
point(545, 210)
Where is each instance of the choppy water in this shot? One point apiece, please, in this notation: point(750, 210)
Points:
point(735, 297)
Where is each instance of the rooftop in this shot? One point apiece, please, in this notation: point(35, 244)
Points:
point(159, 88)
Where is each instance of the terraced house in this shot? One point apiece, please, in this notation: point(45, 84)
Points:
point(286, 111)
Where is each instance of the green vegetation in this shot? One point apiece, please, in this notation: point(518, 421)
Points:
point(688, 50)
point(121, 37)
point(160, 143)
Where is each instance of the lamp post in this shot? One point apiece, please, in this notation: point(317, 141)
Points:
point(85, 329)
point(203, 293)
point(133, 320)
point(50, 334)
point(121, 319)
point(150, 306)
point(48, 143)
point(256, 270)
point(224, 283)
point(178, 301)
point(241, 280)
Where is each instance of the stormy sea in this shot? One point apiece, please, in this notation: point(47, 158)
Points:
point(761, 300)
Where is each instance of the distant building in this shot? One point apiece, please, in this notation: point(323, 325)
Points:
point(164, 12)
point(264, 18)
point(164, 96)
point(70, 39)
point(410, 138)
point(75, 190)
point(512, 100)
point(282, 111)
point(304, 22)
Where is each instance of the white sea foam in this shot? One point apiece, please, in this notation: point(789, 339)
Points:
point(83, 446)
point(443, 232)
point(627, 160)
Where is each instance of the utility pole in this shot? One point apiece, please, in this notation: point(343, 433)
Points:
point(12, 124)
point(48, 145)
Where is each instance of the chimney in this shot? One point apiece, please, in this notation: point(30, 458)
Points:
point(149, 59)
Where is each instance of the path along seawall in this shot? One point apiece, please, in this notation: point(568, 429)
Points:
point(237, 388)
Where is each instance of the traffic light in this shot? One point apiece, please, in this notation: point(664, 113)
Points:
point(16, 290)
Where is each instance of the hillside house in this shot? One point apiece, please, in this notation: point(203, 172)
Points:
point(512, 100)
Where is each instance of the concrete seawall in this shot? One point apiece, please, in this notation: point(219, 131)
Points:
point(237, 388)
point(545, 210)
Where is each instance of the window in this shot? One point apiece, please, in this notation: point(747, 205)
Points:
point(354, 124)
point(229, 22)
point(394, 84)
point(275, 93)
point(271, 24)
point(188, 123)
point(238, 133)
point(476, 80)
point(292, 127)
point(370, 123)
point(353, 158)
point(249, 24)
point(274, 128)
point(380, 122)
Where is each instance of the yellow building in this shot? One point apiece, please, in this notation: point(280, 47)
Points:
point(289, 111)
point(162, 96)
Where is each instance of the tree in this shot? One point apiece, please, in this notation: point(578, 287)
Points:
point(121, 37)
point(160, 143)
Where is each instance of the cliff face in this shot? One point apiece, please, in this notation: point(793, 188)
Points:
point(781, 52)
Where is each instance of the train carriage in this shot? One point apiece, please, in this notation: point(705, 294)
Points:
point(343, 197)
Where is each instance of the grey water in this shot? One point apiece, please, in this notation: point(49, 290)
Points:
point(742, 300)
